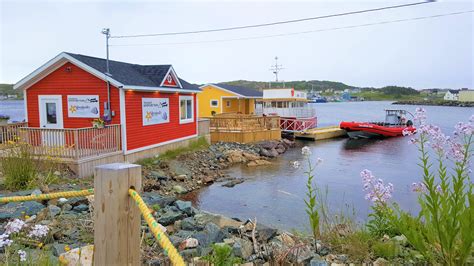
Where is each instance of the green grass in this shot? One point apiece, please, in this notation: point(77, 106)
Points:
point(199, 144)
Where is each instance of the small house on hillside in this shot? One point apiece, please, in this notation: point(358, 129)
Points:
point(222, 98)
point(147, 109)
point(451, 95)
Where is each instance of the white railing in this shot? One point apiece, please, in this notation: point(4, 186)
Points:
point(299, 112)
point(297, 125)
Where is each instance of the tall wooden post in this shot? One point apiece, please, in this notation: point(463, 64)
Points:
point(116, 216)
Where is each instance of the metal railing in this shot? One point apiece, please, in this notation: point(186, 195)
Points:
point(297, 125)
point(243, 123)
point(300, 112)
point(72, 143)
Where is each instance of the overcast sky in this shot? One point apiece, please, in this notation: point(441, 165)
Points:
point(423, 53)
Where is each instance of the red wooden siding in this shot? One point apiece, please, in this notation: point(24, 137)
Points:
point(141, 136)
point(74, 82)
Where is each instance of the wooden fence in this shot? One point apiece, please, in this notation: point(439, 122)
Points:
point(10, 132)
point(244, 123)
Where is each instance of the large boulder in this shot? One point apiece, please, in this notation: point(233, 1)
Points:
point(184, 206)
point(79, 256)
point(169, 216)
point(203, 218)
point(151, 199)
point(210, 235)
point(17, 209)
point(242, 248)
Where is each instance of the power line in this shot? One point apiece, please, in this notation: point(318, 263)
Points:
point(303, 32)
point(275, 23)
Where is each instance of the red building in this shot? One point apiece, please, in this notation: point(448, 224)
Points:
point(149, 105)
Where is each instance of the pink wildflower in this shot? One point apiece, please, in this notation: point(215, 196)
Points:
point(377, 191)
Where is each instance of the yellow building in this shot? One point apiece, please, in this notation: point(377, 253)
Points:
point(466, 96)
point(222, 98)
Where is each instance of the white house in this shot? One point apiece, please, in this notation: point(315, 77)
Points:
point(451, 95)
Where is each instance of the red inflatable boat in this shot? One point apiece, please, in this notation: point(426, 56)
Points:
point(395, 125)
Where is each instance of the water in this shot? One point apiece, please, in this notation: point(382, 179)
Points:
point(14, 109)
point(274, 194)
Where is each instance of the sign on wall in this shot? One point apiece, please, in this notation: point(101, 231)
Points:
point(83, 106)
point(155, 111)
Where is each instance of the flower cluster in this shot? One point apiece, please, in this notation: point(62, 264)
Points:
point(306, 151)
point(38, 231)
point(376, 190)
point(14, 226)
point(5, 241)
point(22, 255)
point(420, 115)
point(418, 187)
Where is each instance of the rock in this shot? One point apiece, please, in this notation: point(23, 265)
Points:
point(242, 248)
point(53, 210)
point(30, 219)
point(79, 256)
point(81, 208)
point(234, 182)
point(190, 224)
point(342, 257)
point(317, 261)
point(17, 209)
point(184, 206)
point(179, 189)
point(188, 254)
point(266, 153)
point(250, 156)
point(61, 202)
point(203, 218)
point(151, 199)
point(273, 153)
point(211, 234)
point(266, 234)
point(268, 145)
point(208, 180)
point(57, 173)
point(67, 207)
point(381, 262)
point(286, 239)
point(401, 240)
point(181, 178)
point(280, 150)
point(58, 249)
point(36, 192)
point(189, 243)
point(175, 240)
point(235, 156)
point(169, 217)
point(158, 175)
point(301, 254)
point(258, 163)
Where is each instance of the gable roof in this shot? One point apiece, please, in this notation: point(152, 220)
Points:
point(454, 91)
point(241, 91)
point(126, 75)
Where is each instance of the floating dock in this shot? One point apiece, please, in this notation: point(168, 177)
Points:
point(320, 133)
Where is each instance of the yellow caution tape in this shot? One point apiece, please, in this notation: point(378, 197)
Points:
point(163, 240)
point(48, 196)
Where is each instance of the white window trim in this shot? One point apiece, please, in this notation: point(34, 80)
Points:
point(210, 102)
point(187, 120)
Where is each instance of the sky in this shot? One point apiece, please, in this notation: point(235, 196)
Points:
point(430, 53)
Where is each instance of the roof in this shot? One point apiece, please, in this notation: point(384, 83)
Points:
point(454, 91)
point(122, 74)
point(241, 91)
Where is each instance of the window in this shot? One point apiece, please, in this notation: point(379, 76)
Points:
point(214, 103)
point(51, 113)
point(227, 103)
point(186, 109)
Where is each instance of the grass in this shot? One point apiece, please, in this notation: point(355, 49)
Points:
point(199, 144)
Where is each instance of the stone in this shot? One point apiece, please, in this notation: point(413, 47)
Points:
point(342, 257)
point(401, 240)
point(81, 208)
point(53, 210)
point(203, 218)
point(151, 199)
point(242, 248)
point(79, 256)
point(62, 201)
point(169, 217)
point(184, 206)
point(188, 254)
point(250, 156)
point(235, 156)
point(36, 192)
point(189, 243)
point(286, 239)
point(208, 179)
point(158, 175)
point(266, 234)
point(57, 173)
point(266, 153)
point(258, 163)
point(234, 182)
point(317, 261)
point(268, 145)
point(381, 262)
point(211, 234)
point(179, 189)
point(280, 150)
point(58, 249)
point(17, 209)
point(190, 224)
point(181, 178)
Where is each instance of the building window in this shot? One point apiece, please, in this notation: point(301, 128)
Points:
point(214, 103)
point(186, 109)
point(227, 103)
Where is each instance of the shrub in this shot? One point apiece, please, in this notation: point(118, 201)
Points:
point(387, 250)
point(221, 255)
point(19, 168)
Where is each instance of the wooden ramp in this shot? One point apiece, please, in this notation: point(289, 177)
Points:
point(321, 133)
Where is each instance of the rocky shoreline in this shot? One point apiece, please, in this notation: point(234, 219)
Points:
point(436, 103)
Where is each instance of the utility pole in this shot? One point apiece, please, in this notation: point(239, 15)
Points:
point(276, 68)
point(107, 113)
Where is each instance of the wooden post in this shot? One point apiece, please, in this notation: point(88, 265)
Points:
point(117, 219)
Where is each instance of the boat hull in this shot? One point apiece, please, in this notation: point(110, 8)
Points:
point(372, 130)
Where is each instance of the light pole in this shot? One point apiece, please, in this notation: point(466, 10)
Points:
point(107, 113)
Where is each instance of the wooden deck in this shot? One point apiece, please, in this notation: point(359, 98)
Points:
point(321, 133)
point(244, 128)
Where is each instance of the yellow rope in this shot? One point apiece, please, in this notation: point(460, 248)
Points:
point(163, 240)
point(55, 195)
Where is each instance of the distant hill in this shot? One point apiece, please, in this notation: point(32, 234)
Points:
point(318, 85)
point(7, 89)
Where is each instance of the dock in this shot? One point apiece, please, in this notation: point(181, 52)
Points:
point(321, 133)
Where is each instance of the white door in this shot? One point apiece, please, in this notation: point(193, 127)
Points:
point(51, 117)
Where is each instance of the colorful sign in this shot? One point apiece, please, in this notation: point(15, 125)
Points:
point(155, 111)
point(83, 106)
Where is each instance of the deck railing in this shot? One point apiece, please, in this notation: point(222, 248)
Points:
point(299, 112)
point(10, 132)
point(244, 123)
point(72, 143)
